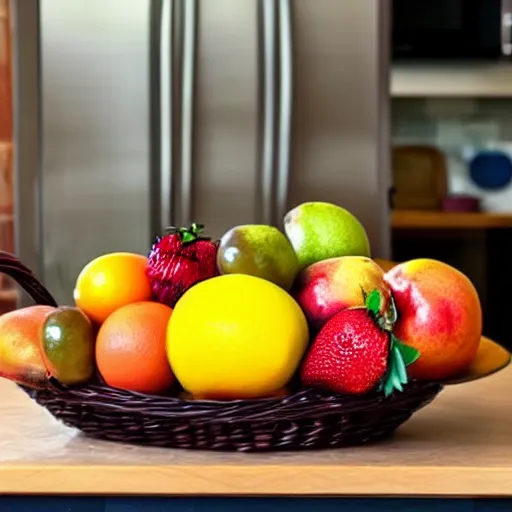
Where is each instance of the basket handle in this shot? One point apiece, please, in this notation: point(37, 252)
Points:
point(13, 267)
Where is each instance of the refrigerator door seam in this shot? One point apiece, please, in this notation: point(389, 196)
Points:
point(155, 118)
point(176, 68)
point(169, 127)
point(187, 110)
point(268, 86)
point(285, 108)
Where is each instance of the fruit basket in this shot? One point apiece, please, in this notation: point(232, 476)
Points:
point(299, 416)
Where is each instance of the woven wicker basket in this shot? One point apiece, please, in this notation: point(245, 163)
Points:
point(305, 419)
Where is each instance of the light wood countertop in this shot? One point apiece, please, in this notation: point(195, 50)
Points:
point(460, 445)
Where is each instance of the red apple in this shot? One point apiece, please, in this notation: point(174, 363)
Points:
point(439, 314)
point(329, 286)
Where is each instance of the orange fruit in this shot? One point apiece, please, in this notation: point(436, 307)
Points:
point(110, 282)
point(20, 353)
point(130, 348)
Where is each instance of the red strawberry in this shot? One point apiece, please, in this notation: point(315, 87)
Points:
point(355, 351)
point(179, 260)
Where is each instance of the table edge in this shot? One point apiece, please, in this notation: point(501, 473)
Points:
point(257, 480)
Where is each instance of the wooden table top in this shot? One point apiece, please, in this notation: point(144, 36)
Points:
point(460, 445)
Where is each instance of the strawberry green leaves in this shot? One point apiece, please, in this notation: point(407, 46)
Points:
point(373, 302)
point(409, 354)
point(400, 354)
point(187, 235)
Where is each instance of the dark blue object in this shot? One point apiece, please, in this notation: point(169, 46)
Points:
point(491, 170)
point(221, 504)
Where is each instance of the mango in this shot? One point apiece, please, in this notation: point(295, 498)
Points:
point(329, 286)
point(439, 314)
point(68, 345)
point(21, 359)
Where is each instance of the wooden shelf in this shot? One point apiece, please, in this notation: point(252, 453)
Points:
point(415, 219)
point(451, 80)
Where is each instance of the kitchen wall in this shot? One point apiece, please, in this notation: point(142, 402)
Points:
point(457, 126)
point(8, 295)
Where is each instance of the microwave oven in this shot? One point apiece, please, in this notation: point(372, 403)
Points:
point(451, 29)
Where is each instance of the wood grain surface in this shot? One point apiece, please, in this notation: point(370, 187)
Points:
point(460, 445)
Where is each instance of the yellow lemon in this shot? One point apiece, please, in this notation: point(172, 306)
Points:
point(235, 336)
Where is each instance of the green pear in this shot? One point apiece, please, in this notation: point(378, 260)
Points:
point(319, 231)
point(68, 343)
point(258, 250)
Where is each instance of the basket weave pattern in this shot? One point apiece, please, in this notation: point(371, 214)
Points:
point(303, 420)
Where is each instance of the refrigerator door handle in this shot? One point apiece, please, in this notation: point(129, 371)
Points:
point(155, 119)
point(268, 34)
point(285, 107)
point(188, 65)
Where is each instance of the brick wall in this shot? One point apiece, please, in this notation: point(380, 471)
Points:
point(8, 294)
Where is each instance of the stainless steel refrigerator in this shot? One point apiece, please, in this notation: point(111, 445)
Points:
point(132, 115)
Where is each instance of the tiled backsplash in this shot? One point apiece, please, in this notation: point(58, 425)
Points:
point(458, 127)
